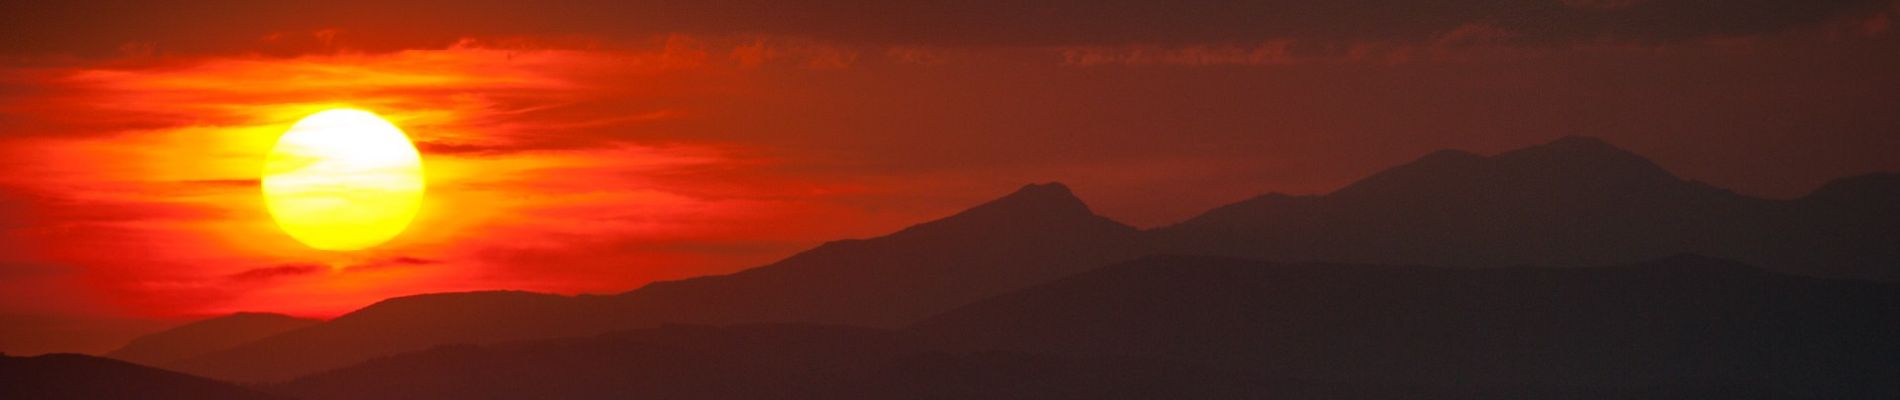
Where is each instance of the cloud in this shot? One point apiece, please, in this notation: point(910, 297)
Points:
point(1277, 52)
point(266, 274)
point(392, 262)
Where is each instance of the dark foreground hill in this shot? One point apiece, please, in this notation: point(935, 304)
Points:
point(73, 376)
point(1207, 327)
point(1679, 323)
point(788, 362)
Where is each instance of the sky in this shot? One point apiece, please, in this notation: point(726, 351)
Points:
point(592, 147)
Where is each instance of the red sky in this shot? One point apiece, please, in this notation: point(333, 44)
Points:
point(587, 148)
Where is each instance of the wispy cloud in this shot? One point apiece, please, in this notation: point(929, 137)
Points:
point(266, 274)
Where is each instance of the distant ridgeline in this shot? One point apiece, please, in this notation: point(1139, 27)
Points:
point(1276, 288)
point(1572, 202)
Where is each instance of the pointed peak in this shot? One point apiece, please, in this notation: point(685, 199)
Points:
point(1050, 197)
point(1047, 190)
point(1034, 206)
point(1577, 148)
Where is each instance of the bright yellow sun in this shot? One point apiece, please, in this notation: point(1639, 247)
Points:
point(343, 180)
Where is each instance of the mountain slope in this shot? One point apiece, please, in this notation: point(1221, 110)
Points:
point(1209, 327)
point(202, 337)
point(1678, 322)
point(73, 376)
point(1039, 233)
point(1036, 234)
point(1571, 202)
point(399, 325)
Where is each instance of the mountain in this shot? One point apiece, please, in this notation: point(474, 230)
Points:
point(74, 376)
point(1571, 202)
point(780, 361)
point(398, 325)
point(1038, 233)
point(202, 337)
point(1212, 327)
point(1679, 323)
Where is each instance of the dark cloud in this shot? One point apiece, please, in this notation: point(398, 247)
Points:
point(300, 26)
point(275, 272)
point(572, 142)
point(393, 262)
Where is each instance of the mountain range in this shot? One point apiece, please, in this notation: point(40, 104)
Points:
point(1214, 327)
point(1569, 203)
point(206, 336)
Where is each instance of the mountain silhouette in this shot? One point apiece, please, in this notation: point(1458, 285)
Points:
point(1679, 323)
point(398, 325)
point(206, 336)
point(74, 376)
point(1038, 233)
point(1571, 202)
point(1212, 327)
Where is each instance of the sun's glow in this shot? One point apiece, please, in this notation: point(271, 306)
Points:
point(343, 180)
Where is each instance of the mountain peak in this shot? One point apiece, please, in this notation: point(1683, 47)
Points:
point(1046, 190)
point(1052, 198)
point(1571, 164)
point(1033, 207)
point(1585, 152)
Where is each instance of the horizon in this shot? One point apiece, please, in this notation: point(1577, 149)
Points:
point(154, 325)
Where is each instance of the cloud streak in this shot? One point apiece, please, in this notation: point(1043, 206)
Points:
point(266, 274)
point(223, 26)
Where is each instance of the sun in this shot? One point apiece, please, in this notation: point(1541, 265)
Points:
point(342, 180)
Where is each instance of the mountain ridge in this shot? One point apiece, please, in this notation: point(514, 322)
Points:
point(1574, 201)
point(206, 336)
point(1042, 232)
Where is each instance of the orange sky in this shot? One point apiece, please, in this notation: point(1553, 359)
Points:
point(598, 155)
